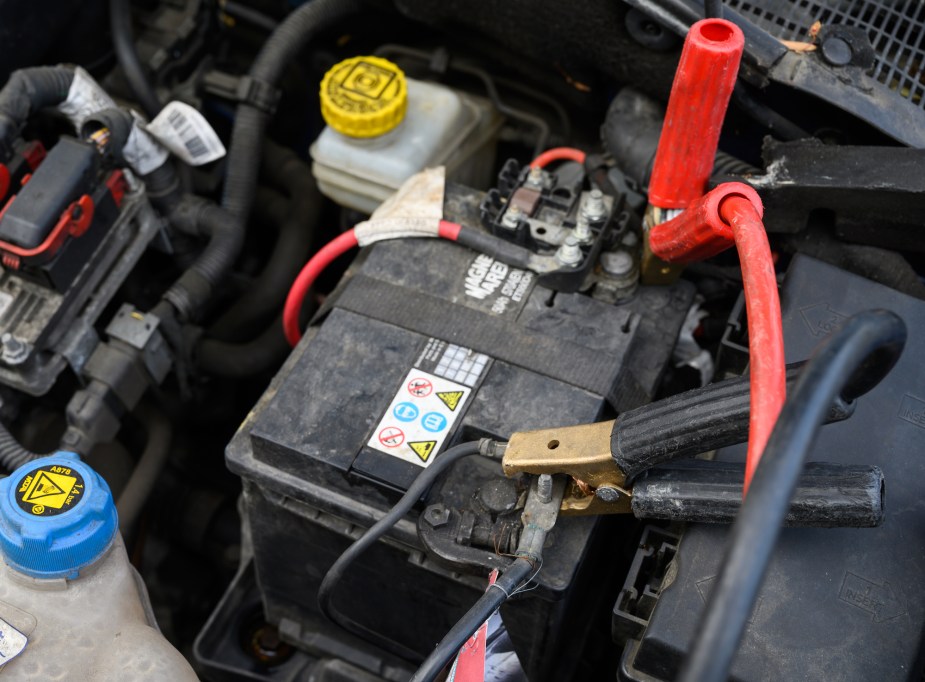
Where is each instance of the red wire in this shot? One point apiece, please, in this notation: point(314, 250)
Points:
point(768, 381)
point(558, 154)
point(316, 265)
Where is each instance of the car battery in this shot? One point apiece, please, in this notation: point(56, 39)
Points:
point(840, 603)
point(425, 344)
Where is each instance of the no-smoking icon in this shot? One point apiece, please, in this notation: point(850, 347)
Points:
point(391, 436)
point(420, 387)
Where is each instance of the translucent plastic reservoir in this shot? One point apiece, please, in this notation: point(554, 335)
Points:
point(97, 627)
point(441, 127)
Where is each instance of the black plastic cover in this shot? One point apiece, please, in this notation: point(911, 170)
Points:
point(68, 172)
point(837, 604)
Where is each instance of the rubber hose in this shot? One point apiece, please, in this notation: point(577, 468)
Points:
point(297, 234)
point(120, 23)
point(195, 288)
point(271, 209)
point(283, 46)
point(12, 453)
point(241, 360)
point(29, 90)
point(143, 478)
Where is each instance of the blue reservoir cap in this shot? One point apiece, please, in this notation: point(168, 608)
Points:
point(56, 517)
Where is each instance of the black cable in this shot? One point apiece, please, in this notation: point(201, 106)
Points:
point(28, 90)
point(851, 362)
point(481, 611)
point(712, 9)
point(120, 23)
point(488, 82)
point(241, 11)
point(414, 493)
point(780, 127)
point(499, 249)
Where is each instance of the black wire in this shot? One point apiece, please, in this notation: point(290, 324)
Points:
point(481, 611)
point(780, 127)
point(334, 575)
point(713, 9)
point(857, 356)
point(120, 23)
point(488, 82)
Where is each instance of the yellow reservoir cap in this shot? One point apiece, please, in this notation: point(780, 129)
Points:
point(364, 96)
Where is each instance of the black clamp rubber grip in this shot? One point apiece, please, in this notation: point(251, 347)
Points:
point(692, 423)
point(828, 495)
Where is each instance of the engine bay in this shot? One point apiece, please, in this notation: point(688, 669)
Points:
point(368, 340)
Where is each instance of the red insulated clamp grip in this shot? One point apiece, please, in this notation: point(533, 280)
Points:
point(699, 97)
point(700, 232)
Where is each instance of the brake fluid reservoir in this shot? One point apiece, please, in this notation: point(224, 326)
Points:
point(383, 128)
point(71, 605)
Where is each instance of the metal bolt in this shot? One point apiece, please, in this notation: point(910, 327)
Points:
point(570, 251)
point(15, 352)
point(544, 488)
point(607, 494)
point(535, 177)
point(437, 515)
point(512, 217)
point(582, 230)
point(617, 263)
point(593, 206)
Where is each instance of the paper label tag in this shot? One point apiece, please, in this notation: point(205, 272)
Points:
point(85, 97)
point(186, 133)
point(12, 642)
point(141, 150)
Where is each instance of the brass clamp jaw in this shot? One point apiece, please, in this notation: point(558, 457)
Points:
point(595, 485)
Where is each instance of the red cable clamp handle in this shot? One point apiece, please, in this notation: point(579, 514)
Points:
point(700, 94)
point(700, 232)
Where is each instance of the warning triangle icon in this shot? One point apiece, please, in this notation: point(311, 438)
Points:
point(423, 448)
point(43, 487)
point(451, 398)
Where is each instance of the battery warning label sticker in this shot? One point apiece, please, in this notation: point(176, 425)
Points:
point(420, 417)
point(49, 491)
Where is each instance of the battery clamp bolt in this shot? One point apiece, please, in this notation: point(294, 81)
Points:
point(437, 515)
point(593, 207)
point(570, 251)
point(535, 178)
point(582, 230)
point(544, 488)
point(512, 217)
point(607, 494)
